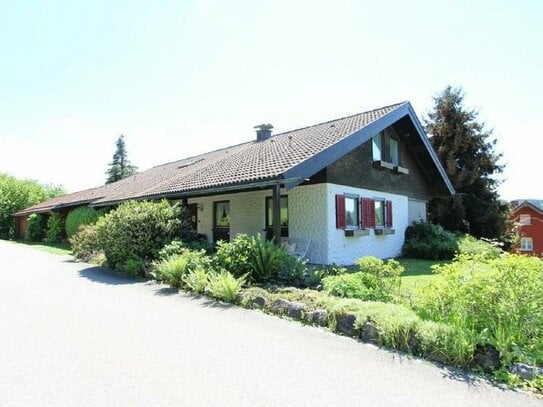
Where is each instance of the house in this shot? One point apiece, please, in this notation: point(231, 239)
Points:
point(350, 186)
point(528, 215)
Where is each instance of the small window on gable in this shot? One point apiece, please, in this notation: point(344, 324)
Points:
point(525, 219)
point(377, 147)
point(385, 148)
point(526, 244)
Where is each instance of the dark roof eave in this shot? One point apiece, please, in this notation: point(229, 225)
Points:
point(207, 191)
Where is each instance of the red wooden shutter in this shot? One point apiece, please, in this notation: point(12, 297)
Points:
point(367, 207)
point(388, 209)
point(340, 212)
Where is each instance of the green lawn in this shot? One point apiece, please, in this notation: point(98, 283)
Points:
point(55, 248)
point(418, 273)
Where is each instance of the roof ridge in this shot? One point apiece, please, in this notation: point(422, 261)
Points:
point(342, 118)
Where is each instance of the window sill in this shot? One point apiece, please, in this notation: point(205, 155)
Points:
point(396, 169)
point(384, 232)
point(356, 232)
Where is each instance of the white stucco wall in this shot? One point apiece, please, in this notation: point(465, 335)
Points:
point(345, 250)
point(312, 215)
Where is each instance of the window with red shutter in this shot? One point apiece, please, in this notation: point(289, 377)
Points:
point(367, 218)
point(340, 211)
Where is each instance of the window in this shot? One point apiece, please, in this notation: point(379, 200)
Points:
point(379, 213)
point(526, 244)
point(284, 216)
point(525, 219)
point(365, 213)
point(222, 214)
point(385, 148)
point(351, 211)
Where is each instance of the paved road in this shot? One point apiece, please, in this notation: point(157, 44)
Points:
point(72, 335)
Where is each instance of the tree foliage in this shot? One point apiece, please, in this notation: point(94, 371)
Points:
point(16, 195)
point(467, 151)
point(120, 167)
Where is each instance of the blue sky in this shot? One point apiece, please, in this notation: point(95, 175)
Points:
point(182, 77)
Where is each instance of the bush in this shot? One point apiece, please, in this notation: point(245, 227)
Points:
point(225, 287)
point(197, 280)
point(173, 268)
point(55, 227)
point(84, 243)
point(266, 259)
point(376, 280)
point(234, 256)
point(140, 230)
point(252, 256)
point(84, 215)
point(468, 244)
point(134, 267)
point(424, 240)
point(499, 301)
point(35, 228)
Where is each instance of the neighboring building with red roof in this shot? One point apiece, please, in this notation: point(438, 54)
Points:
point(528, 215)
point(350, 186)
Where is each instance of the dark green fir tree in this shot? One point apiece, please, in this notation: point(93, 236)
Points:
point(467, 151)
point(120, 167)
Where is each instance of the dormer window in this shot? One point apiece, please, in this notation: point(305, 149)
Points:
point(385, 148)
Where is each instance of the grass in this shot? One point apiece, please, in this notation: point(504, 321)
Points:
point(418, 273)
point(54, 248)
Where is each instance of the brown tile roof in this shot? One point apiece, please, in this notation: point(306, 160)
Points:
point(244, 163)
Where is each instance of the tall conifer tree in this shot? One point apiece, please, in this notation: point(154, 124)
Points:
point(120, 167)
point(467, 151)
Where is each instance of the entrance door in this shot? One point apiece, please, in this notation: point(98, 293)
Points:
point(193, 211)
point(221, 221)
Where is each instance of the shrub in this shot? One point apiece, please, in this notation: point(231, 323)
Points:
point(234, 256)
point(424, 240)
point(376, 280)
point(497, 300)
point(84, 215)
point(225, 287)
point(177, 247)
point(293, 271)
point(85, 243)
point(140, 230)
point(134, 266)
point(266, 259)
point(468, 244)
point(259, 259)
point(196, 280)
point(55, 227)
point(172, 269)
point(35, 228)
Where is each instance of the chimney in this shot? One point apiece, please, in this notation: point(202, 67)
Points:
point(263, 131)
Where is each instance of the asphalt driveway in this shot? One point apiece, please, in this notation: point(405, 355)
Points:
point(73, 335)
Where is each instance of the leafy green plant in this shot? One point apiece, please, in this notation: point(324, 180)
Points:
point(424, 240)
point(85, 243)
point(55, 227)
point(196, 280)
point(35, 228)
point(266, 259)
point(234, 256)
point(172, 269)
point(499, 301)
point(134, 267)
point(470, 245)
point(140, 230)
point(84, 215)
point(225, 287)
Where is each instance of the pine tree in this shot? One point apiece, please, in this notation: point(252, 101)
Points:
point(468, 154)
point(120, 167)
